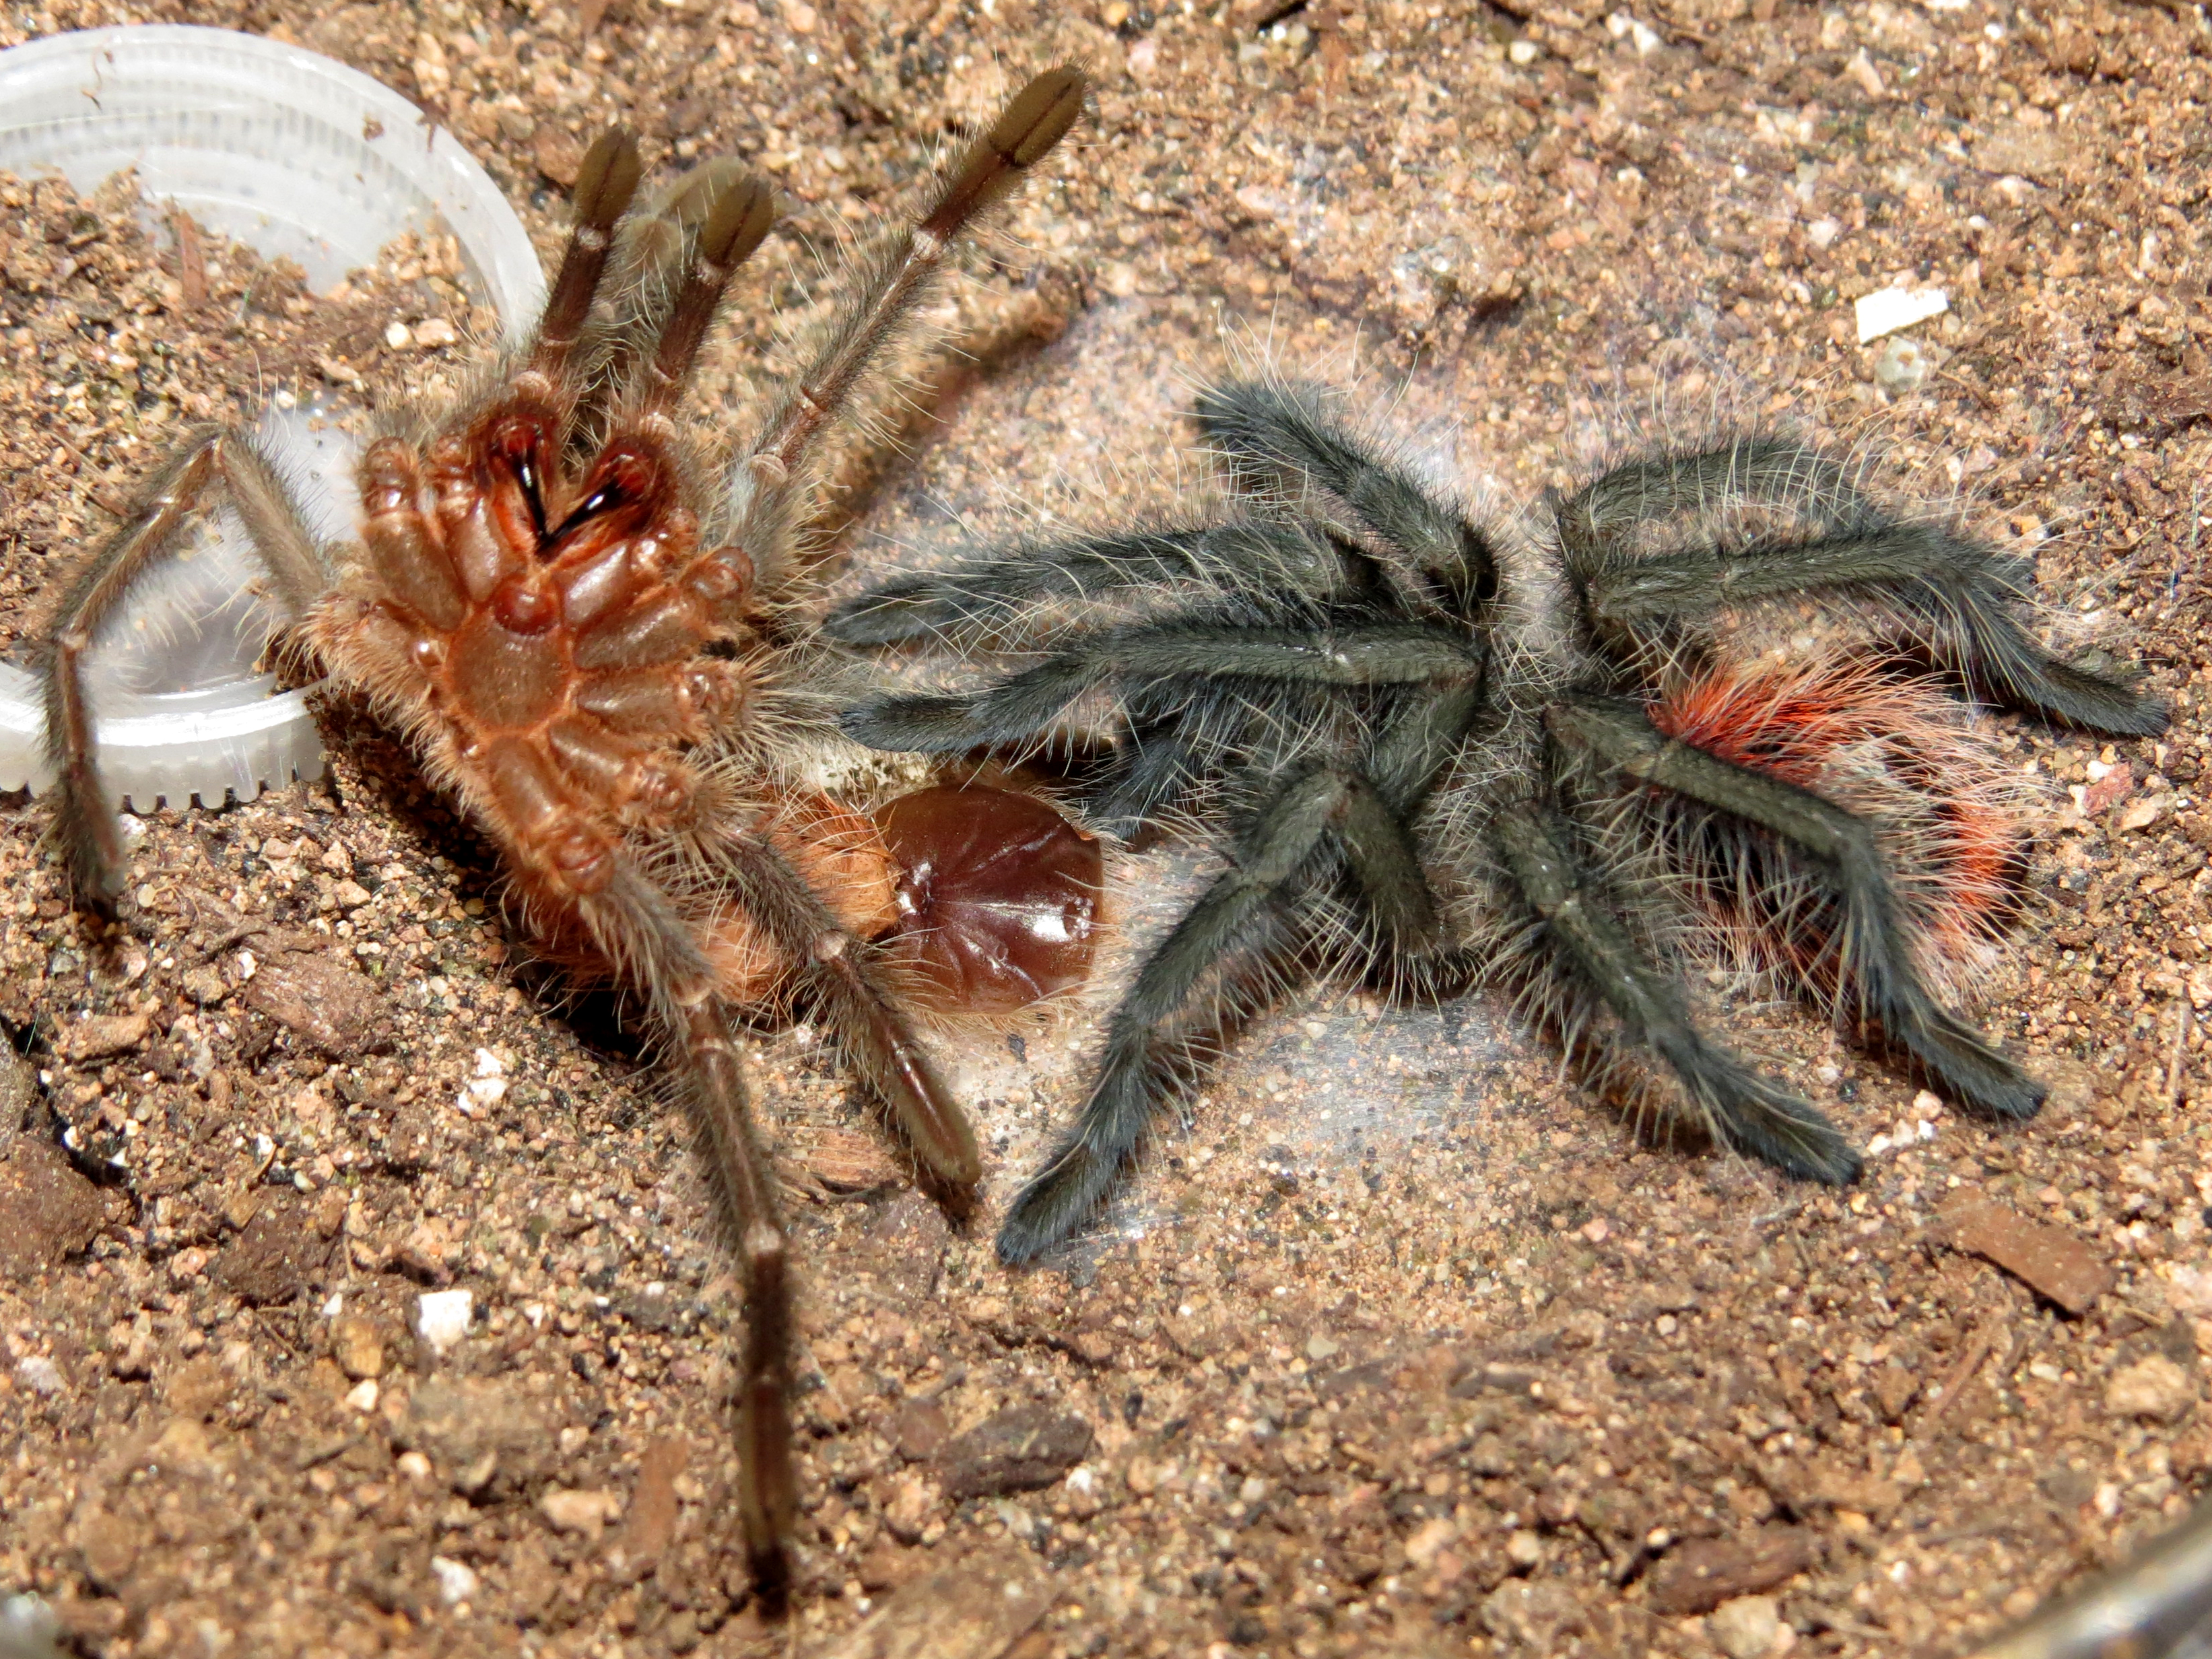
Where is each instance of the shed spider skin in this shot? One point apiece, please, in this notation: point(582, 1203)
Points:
point(555, 601)
point(1706, 711)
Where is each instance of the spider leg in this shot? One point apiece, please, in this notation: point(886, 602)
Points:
point(1743, 1110)
point(1965, 597)
point(1236, 932)
point(972, 596)
point(1372, 654)
point(777, 468)
point(830, 965)
point(635, 926)
point(84, 818)
point(1876, 957)
point(1277, 438)
point(1155, 766)
point(1156, 1039)
point(605, 185)
point(1751, 471)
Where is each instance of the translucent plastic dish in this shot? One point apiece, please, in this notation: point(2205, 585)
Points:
point(299, 157)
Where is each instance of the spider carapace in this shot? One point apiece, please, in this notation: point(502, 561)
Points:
point(585, 628)
point(1706, 712)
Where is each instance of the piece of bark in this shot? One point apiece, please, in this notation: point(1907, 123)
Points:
point(2050, 1260)
point(977, 1609)
point(1021, 1448)
point(650, 1525)
point(1707, 1572)
point(48, 1212)
point(313, 993)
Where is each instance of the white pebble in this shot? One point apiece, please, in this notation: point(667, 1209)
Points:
point(487, 1088)
point(399, 336)
point(1745, 1628)
point(1523, 53)
point(39, 1374)
point(441, 1317)
point(364, 1398)
point(456, 1582)
point(1901, 366)
point(1886, 310)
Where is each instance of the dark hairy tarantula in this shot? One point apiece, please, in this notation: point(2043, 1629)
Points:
point(1712, 698)
point(582, 627)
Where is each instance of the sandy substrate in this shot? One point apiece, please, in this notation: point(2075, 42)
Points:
point(1407, 1345)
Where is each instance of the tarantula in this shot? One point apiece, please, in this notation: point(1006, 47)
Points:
point(567, 614)
point(1712, 699)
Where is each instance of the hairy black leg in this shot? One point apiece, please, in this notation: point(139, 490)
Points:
point(1277, 438)
point(1142, 658)
point(1876, 957)
point(976, 595)
point(1156, 765)
point(84, 820)
point(1742, 1109)
point(832, 967)
point(1157, 1038)
point(1963, 596)
point(1767, 472)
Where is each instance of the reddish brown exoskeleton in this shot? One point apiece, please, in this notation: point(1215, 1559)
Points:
point(559, 607)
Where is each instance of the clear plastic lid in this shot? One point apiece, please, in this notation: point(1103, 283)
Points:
point(299, 157)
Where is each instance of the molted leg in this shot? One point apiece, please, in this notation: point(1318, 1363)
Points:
point(637, 929)
point(830, 965)
point(780, 463)
point(84, 821)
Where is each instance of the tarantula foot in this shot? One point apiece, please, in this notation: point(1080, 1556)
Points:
point(1961, 1064)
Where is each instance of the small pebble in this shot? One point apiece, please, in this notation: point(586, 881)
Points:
point(1901, 366)
point(2153, 1388)
point(357, 1347)
point(1745, 1628)
point(441, 1317)
point(457, 1581)
point(39, 1374)
point(1886, 310)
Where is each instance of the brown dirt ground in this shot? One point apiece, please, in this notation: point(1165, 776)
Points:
point(1406, 1346)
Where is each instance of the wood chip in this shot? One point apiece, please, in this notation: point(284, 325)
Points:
point(314, 993)
point(103, 1035)
point(974, 1609)
point(651, 1523)
point(48, 1212)
point(2049, 1261)
point(1707, 1572)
